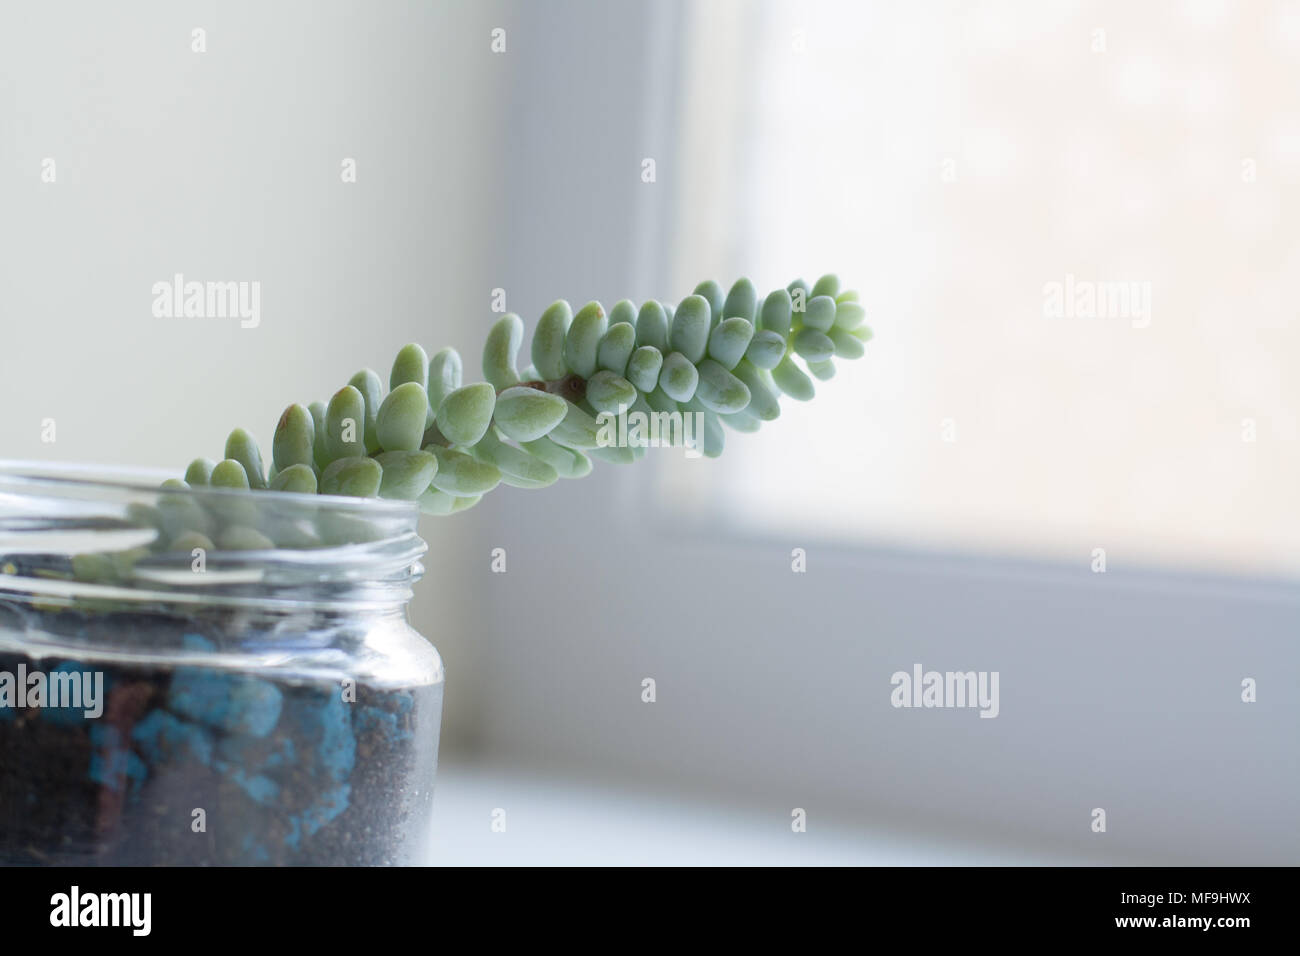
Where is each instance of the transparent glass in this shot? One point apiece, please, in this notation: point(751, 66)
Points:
point(163, 701)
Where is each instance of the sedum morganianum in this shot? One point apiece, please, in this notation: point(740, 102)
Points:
point(443, 443)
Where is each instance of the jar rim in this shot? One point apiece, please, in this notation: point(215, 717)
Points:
point(73, 474)
point(326, 551)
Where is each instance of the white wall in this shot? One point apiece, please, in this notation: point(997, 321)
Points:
point(225, 165)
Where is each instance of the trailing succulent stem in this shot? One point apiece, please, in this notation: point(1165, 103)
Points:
point(436, 440)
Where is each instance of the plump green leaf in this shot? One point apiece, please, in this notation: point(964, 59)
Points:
point(711, 293)
point(847, 345)
point(345, 424)
point(607, 392)
point(643, 368)
point(295, 434)
point(445, 372)
point(229, 473)
point(582, 342)
point(652, 326)
point(576, 430)
point(616, 347)
point(358, 477)
point(849, 315)
point(320, 447)
point(777, 313)
point(690, 328)
point(813, 346)
point(548, 340)
point(241, 538)
point(568, 462)
point(500, 351)
point(242, 447)
point(792, 380)
point(623, 311)
point(719, 390)
point(518, 468)
point(299, 479)
point(828, 285)
point(820, 314)
point(678, 377)
point(460, 474)
point(410, 365)
point(766, 349)
point(368, 383)
point(729, 340)
point(823, 371)
point(525, 414)
point(407, 474)
point(199, 473)
point(742, 301)
point(465, 414)
point(400, 422)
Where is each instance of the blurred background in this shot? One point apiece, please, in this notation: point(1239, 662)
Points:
point(952, 492)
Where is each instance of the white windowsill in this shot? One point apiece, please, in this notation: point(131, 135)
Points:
point(552, 821)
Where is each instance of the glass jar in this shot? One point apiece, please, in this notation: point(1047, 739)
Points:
point(167, 700)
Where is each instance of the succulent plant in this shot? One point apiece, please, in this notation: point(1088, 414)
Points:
point(444, 443)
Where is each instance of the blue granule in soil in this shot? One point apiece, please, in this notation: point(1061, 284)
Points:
point(232, 702)
point(378, 720)
point(253, 851)
point(315, 738)
point(107, 768)
point(136, 771)
point(329, 805)
point(225, 721)
point(309, 821)
point(282, 757)
point(197, 642)
point(111, 761)
point(261, 789)
point(105, 735)
point(255, 755)
point(323, 729)
point(163, 738)
point(326, 749)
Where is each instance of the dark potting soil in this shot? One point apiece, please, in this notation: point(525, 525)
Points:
point(201, 764)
